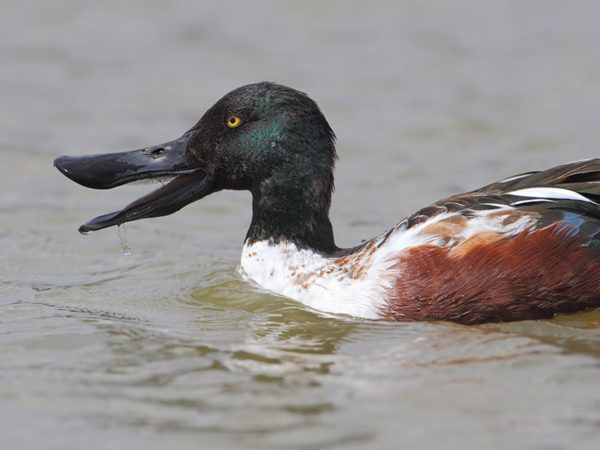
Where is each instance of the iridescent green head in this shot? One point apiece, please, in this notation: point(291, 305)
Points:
point(266, 138)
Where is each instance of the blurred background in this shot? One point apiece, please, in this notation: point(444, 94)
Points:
point(168, 346)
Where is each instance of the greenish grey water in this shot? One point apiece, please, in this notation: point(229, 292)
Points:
point(168, 347)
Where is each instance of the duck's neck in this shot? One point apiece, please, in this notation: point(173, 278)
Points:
point(293, 206)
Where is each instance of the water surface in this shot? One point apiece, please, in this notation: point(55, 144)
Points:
point(168, 347)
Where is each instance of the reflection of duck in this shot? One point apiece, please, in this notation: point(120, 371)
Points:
point(526, 247)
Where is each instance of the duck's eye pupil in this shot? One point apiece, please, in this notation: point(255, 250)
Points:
point(234, 121)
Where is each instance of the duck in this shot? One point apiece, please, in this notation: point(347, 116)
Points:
point(523, 248)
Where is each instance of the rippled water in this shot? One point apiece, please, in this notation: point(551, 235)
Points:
point(168, 347)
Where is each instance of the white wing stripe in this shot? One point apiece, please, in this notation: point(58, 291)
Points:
point(551, 193)
point(531, 200)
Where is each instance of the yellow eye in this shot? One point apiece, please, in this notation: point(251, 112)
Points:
point(233, 121)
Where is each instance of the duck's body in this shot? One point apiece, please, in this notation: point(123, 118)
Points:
point(526, 247)
point(501, 253)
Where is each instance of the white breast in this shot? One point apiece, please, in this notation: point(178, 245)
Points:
point(319, 282)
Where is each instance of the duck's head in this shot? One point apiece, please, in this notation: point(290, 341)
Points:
point(266, 138)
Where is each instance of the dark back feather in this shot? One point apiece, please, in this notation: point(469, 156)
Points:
point(582, 177)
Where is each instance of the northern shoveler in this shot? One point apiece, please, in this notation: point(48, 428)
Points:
point(526, 247)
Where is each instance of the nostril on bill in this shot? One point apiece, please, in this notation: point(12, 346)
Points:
point(157, 151)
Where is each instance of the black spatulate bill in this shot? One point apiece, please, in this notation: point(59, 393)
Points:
point(110, 170)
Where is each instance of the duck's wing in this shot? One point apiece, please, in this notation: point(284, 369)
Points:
point(568, 194)
point(580, 176)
